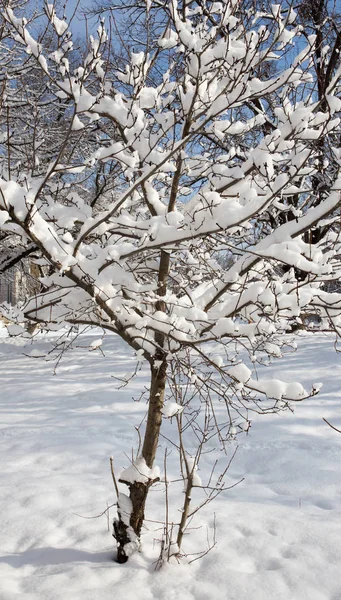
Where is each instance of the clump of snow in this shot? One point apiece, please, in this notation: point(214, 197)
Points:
point(3, 216)
point(170, 409)
point(125, 507)
point(278, 390)
point(272, 388)
point(139, 472)
point(240, 372)
point(77, 124)
point(35, 353)
point(96, 344)
point(15, 329)
point(59, 25)
point(316, 387)
point(193, 468)
point(140, 355)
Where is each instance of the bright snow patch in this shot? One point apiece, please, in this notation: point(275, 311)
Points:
point(278, 533)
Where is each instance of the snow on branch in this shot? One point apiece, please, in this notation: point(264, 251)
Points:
point(174, 196)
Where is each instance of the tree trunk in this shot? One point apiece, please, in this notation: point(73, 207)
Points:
point(127, 536)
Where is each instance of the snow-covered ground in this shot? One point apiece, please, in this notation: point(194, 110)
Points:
point(278, 533)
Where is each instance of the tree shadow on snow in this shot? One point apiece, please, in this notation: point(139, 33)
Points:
point(55, 556)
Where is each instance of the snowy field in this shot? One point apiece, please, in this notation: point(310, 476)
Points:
point(278, 533)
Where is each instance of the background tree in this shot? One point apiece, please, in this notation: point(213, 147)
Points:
point(164, 161)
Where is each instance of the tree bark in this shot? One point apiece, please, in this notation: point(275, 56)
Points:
point(138, 491)
point(156, 400)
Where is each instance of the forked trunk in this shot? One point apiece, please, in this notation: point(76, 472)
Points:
point(127, 531)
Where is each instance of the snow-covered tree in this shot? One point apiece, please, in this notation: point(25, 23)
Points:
point(162, 164)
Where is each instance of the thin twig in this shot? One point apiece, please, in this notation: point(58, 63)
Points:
point(330, 425)
point(113, 476)
point(97, 516)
